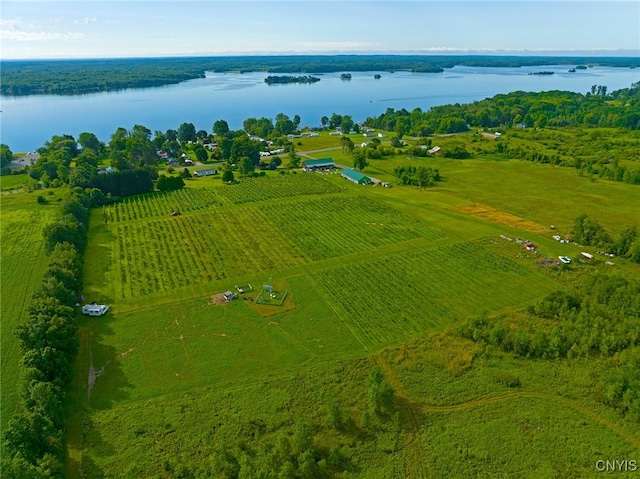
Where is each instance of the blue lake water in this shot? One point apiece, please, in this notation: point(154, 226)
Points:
point(27, 122)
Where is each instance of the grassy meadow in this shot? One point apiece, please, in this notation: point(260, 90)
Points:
point(23, 262)
point(12, 182)
point(176, 382)
point(375, 279)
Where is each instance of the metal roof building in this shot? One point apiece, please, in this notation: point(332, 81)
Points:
point(321, 163)
point(356, 177)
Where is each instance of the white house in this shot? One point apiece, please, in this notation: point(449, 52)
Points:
point(205, 172)
point(382, 135)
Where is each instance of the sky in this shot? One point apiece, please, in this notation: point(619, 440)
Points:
point(155, 28)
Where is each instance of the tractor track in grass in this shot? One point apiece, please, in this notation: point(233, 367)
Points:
point(413, 409)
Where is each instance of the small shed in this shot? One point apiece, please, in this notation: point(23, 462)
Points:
point(356, 177)
point(229, 296)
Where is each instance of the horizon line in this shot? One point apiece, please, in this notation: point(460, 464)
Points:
point(598, 53)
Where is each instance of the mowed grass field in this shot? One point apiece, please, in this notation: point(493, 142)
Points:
point(367, 270)
point(23, 263)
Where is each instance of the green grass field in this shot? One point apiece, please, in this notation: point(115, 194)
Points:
point(23, 263)
point(373, 275)
point(376, 278)
point(11, 182)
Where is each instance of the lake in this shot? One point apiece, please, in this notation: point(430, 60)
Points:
point(27, 122)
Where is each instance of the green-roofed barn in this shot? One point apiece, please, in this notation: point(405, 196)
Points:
point(320, 164)
point(356, 177)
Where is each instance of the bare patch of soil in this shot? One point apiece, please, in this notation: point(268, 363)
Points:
point(218, 299)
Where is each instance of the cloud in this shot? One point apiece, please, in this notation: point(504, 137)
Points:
point(348, 45)
point(88, 20)
point(22, 36)
point(17, 30)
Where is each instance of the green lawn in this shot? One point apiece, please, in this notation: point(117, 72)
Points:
point(23, 262)
point(11, 182)
point(374, 275)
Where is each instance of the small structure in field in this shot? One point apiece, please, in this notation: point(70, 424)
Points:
point(176, 213)
point(271, 297)
point(587, 255)
point(95, 309)
point(229, 296)
point(529, 246)
point(565, 259)
point(244, 288)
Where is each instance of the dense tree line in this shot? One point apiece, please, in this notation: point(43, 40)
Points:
point(126, 183)
point(81, 76)
point(600, 318)
point(6, 156)
point(34, 442)
point(421, 176)
point(587, 231)
point(169, 183)
point(291, 79)
point(620, 109)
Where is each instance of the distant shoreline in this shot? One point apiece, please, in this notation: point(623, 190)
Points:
point(76, 77)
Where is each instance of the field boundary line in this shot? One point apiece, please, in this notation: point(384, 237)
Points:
point(324, 298)
point(400, 390)
point(490, 399)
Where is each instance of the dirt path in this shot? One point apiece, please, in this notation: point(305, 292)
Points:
point(93, 374)
point(494, 398)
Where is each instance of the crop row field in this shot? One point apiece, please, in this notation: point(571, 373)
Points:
point(337, 225)
point(164, 254)
point(278, 186)
point(188, 199)
point(160, 204)
point(393, 298)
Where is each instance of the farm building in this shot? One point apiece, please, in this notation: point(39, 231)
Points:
point(433, 150)
point(491, 136)
point(229, 296)
point(94, 309)
point(205, 172)
point(320, 164)
point(356, 177)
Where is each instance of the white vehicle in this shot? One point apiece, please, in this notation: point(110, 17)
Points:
point(94, 309)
